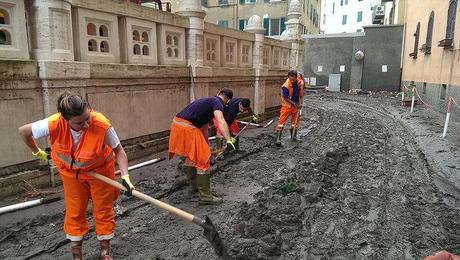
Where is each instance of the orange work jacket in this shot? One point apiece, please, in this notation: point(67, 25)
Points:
point(92, 154)
point(288, 84)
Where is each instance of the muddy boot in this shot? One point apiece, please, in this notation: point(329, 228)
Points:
point(203, 182)
point(237, 143)
point(106, 251)
point(294, 137)
point(278, 138)
point(219, 142)
point(191, 175)
point(75, 248)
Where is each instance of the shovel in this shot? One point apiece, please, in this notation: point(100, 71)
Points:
point(294, 132)
point(258, 125)
point(209, 230)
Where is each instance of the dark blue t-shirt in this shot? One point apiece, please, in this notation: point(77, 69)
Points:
point(201, 111)
point(231, 110)
point(295, 92)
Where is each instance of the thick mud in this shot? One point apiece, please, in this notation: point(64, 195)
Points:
point(367, 182)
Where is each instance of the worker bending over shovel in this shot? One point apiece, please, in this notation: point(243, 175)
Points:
point(82, 140)
point(231, 111)
point(189, 138)
point(291, 96)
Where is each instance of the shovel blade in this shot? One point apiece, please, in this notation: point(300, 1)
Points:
point(211, 234)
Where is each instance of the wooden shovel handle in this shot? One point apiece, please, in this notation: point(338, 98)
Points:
point(183, 214)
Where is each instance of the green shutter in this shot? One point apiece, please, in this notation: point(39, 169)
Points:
point(241, 24)
point(241, 2)
point(283, 25)
point(266, 25)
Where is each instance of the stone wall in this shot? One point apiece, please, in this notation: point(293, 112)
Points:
point(139, 66)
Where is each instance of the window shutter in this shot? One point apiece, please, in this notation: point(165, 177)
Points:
point(283, 25)
point(241, 24)
point(266, 25)
point(241, 2)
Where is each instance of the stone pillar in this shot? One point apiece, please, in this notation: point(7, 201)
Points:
point(255, 26)
point(194, 37)
point(292, 34)
point(50, 24)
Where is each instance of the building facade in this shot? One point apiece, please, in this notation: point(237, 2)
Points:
point(431, 58)
point(236, 13)
point(369, 60)
point(348, 16)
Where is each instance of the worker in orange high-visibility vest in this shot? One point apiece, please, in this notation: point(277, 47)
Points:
point(189, 138)
point(82, 140)
point(291, 96)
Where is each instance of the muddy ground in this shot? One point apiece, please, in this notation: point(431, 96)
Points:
point(369, 181)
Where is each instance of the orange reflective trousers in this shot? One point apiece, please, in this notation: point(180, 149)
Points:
point(284, 115)
point(77, 193)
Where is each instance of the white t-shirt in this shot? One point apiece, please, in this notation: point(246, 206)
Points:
point(40, 129)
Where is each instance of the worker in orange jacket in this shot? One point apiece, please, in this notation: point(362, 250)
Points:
point(231, 111)
point(82, 140)
point(189, 138)
point(291, 96)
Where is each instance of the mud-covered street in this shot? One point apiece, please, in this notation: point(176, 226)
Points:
point(369, 181)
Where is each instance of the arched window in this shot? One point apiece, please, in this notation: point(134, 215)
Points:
point(450, 28)
point(92, 45)
point(169, 51)
point(145, 37)
point(168, 39)
point(137, 49)
point(145, 50)
point(176, 52)
point(5, 38)
point(416, 36)
point(176, 41)
point(135, 35)
point(4, 17)
point(91, 29)
point(429, 35)
point(103, 31)
point(104, 46)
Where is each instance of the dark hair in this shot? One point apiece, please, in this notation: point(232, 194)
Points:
point(245, 102)
point(228, 93)
point(292, 73)
point(70, 105)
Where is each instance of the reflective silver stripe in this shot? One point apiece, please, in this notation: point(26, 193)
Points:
point(104, 237)
point(183, 124)
point(74, 238)
point(78, 164)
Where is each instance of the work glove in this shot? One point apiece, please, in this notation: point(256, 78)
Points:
point(42, 155)
point(253, 118)
point(127, 184)
point(231, 145)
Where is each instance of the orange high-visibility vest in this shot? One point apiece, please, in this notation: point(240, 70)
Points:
point(92, 154)
point(288, 84)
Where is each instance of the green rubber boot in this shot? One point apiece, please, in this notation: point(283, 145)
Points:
point(219, 142)
point(237, 143)
point(203, 181)
point(191, 175)
point(278, 138)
